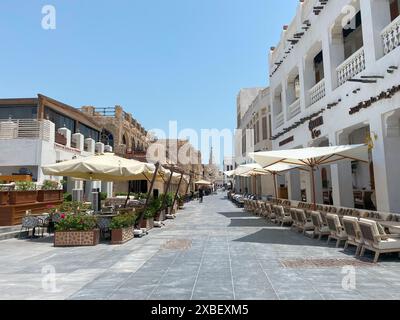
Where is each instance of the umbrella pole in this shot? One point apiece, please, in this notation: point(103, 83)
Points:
point(177, 191)
point(164, 202)
point(187, 187)
point(313, 188)
point(153, 180)
point(275, 185)
point(129, 194)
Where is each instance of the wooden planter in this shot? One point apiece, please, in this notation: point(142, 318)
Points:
point(22, 197)
point(147, 224)
point(160, 216)
point(76, 238)
point(49, 195)
point(3, 198)
point(120, 236)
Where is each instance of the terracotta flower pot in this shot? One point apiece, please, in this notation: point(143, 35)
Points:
point(76, 238)
point(147, 223)
point(120, 236)
point(22, 197)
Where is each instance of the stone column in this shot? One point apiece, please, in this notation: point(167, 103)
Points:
point(294, 186)
point(341, 176)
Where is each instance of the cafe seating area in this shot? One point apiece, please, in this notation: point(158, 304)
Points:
point(364, 230)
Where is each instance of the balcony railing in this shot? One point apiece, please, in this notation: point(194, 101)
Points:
point(317, 92)
point(24, 129)
point(279, 120)
point(391, 36)
point(351, 67)
point(294, 109)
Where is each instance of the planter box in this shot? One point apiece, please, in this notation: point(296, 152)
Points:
point(76, 238)
point(3, 197)
point(120, 236)
point(21, 197)
point(160, 216)
point(147, 224)
point(50, 195)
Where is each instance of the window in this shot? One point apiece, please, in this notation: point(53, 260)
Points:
point(394, 9)
point(59, 120)
point(88, 132)
point(319, 67)
point(18, 112)
point(352, 36)
point(264, 128)
point(297, 87)
point(244, 143)
point(270, 125)
point(107, 138)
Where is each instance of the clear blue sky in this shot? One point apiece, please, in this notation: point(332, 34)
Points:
point(162, 60)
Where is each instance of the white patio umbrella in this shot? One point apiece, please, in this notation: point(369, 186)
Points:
point(254, 169)
point(311, 158)
point(203, 183)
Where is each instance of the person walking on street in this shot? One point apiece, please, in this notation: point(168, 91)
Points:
point(201, 195)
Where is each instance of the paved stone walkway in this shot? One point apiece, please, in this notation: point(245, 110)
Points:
point(212, 250)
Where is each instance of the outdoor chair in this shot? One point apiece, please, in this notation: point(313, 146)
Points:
point(376, 240)
point(303, 224)
point(336, 229)
point(28, 223)
point(353, 232)
point(295, 220)
point(320, 229)
point(281, 216)
point(104, 226)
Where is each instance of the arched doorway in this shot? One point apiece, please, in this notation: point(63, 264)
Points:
point(107, 138)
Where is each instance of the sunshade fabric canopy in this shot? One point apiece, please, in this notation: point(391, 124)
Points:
point(203, 182)
point(104, 167)
point(247, 170)
point(230, 173)
point(311, 156)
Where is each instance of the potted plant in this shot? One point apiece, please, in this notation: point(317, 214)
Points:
point(122, 228)
point(170, 202)
point(180, 201)
point(50, 191)
point(76, 230)
point(151, 211)
point(25, 192)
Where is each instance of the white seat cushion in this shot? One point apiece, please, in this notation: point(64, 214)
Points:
point(389, 244)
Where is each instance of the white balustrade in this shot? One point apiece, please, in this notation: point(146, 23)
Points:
point(294, 109)
point(25, 129)
point(317, 92)
point(351, 67)
point(391, 36)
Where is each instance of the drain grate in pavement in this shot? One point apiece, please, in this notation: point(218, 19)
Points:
point(178, 244)
point(324, 263)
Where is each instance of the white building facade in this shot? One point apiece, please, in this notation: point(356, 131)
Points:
point(253, 134)
point(334, 80)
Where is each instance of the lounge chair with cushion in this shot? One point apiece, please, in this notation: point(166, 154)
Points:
point(320, 229)
point(303, 224)
point(353, 232)
point(281, 216)
point(337, 231)
point(376, 240)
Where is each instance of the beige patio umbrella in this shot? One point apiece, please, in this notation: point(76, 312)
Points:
point(254, 169)
point(203, 183)
point(312, 158)
point(108, 167)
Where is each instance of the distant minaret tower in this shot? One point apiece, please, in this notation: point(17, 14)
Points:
point(211, 160)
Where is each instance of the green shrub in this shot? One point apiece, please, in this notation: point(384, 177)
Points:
point(103, 195)
point(76, 222)
point(50, 185)
point(25, 186)
point(121, 194)
point(72, 207)
point(123, 221)
point(67, 197)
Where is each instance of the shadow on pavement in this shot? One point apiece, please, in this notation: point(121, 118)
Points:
point(281, 236)
point(234, 214)
point(248, 223)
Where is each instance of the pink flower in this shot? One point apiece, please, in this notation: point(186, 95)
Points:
point(63, 216)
